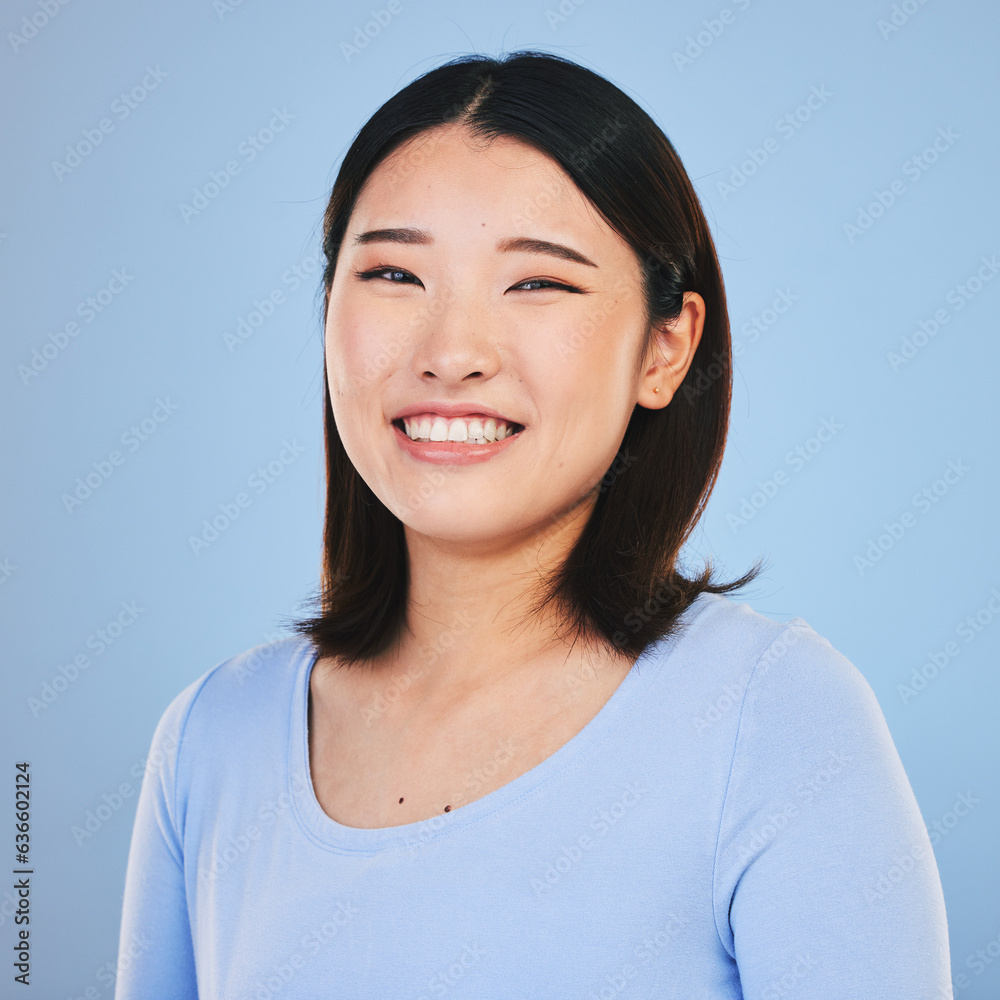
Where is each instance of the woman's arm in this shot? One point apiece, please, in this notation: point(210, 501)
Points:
point(826, 885)
point(156, 955)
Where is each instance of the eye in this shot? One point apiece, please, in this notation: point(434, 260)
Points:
point(399, 276)
point(543, 283)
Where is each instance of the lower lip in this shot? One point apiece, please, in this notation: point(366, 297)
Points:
point(452, 452)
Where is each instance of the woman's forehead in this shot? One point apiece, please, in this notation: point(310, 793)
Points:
point(448, 177)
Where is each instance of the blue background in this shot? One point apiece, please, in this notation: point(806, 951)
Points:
point(220, 73)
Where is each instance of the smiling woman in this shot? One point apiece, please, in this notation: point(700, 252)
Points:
point(518, 750)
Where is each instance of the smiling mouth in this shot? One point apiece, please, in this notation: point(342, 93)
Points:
point(457, 430)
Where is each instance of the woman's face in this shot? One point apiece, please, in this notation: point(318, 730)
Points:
point(449, 309)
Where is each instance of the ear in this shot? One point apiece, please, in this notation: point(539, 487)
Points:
point(671, 353)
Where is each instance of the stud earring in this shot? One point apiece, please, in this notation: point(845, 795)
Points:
point(656, 388)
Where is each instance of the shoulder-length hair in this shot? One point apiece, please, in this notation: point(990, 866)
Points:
point(621, 583)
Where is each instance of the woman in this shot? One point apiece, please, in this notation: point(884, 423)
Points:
point(518, 753)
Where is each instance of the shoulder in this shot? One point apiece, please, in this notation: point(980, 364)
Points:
point(725, 636)
point(784, 699)
point(816, 807)
point(746, 665)
point(220, 732)
point(718, 623)
point(234, 695)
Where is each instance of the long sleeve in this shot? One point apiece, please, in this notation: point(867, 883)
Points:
point(825, 883)
point(156, 955)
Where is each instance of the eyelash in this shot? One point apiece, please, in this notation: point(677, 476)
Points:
point(386, 268)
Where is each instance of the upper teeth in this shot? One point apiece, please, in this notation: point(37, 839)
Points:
point(431, 427)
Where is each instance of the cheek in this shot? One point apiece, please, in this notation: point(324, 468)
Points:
point(595, 395)
point(595, 362)
point(358, 349)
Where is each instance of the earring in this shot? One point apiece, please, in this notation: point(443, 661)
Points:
point(656, 388)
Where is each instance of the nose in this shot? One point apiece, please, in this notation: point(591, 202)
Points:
point(456, 339)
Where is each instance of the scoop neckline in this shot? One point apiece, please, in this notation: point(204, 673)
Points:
point(328, 833)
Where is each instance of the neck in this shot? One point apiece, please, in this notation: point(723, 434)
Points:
point(470, 618)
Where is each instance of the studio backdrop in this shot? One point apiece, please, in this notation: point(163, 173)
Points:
point(165, 169)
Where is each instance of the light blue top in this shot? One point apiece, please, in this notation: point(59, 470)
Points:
point(734, 822)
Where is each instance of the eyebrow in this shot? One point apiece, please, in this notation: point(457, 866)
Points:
point(513, 244)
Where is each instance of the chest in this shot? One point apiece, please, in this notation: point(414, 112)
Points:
point(374, 768)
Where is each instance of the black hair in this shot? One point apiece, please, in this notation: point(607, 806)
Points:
point(621, 583)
